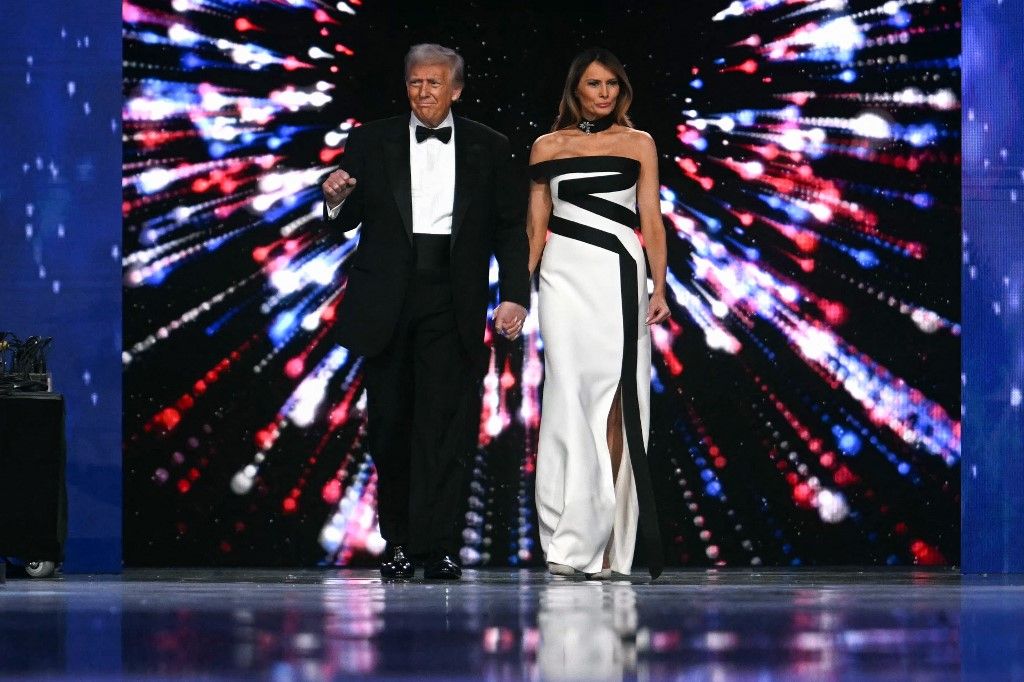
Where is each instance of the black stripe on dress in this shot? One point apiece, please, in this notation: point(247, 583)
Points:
point(579, 192)
point(600, 163)
point(648, 521)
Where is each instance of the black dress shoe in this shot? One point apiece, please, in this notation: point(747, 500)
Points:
point(442, 567)
point(394, 565)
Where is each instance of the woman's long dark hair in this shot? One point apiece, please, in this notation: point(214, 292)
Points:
point(569, 111)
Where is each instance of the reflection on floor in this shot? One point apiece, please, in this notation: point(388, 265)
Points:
point(509, 625)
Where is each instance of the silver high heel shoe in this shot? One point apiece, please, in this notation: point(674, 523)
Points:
point(560, 569)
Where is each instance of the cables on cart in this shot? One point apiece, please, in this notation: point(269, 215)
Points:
point(23, 364)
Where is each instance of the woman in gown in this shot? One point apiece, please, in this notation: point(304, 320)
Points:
point(595, 182)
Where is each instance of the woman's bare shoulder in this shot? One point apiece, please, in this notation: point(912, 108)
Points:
point(636, 144)
point(546, 146)
point(637, 136)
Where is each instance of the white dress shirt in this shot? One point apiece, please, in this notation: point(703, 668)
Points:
point(432, 171)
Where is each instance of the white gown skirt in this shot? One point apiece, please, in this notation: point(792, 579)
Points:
point(581, 510)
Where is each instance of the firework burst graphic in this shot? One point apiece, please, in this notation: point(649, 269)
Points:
point(805, 406)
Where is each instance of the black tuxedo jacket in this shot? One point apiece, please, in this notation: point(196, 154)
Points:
point(488, 218)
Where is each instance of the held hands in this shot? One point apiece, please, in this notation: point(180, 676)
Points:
point(657, 309)
point(508, 320)
point(337, 187)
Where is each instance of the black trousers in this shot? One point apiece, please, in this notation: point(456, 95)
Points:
point(423, 411)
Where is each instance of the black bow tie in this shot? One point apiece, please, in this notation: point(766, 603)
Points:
point(443, 134)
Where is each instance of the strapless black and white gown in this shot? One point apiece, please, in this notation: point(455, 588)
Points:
point(593, 308)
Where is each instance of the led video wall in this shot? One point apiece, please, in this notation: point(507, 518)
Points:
point(993, 280)
point(805, 403)
point(60, 250)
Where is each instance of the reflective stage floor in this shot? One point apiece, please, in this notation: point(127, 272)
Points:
point(508, 625)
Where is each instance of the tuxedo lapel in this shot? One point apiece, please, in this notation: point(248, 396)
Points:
point(396, 153)
point(467, 151)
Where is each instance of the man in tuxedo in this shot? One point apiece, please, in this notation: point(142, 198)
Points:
point(437, 196)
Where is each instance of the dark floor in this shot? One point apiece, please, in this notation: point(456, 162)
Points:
point(511, 625)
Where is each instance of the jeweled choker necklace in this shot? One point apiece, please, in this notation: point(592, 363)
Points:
point(591, 127)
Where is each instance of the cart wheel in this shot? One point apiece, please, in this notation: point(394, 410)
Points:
point(40, 569)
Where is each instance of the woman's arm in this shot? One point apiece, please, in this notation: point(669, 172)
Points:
point(651, 226)
point(539, 208)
